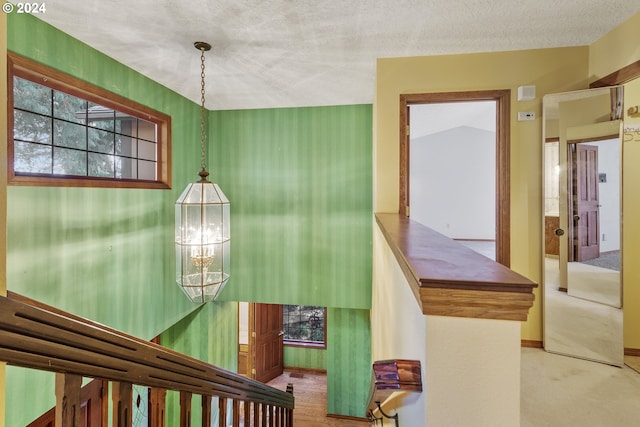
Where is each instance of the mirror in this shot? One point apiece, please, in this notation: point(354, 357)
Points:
point(582, 224)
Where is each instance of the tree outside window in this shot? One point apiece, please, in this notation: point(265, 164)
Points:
point(304, 325)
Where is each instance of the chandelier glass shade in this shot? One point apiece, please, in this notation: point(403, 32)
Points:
point(202, 229)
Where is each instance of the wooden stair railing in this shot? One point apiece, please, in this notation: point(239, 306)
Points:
point(37, 336)
point(391, 376)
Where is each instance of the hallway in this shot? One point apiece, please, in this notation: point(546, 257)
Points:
point(557, 391)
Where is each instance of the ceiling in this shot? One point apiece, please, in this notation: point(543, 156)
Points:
point(290, 53)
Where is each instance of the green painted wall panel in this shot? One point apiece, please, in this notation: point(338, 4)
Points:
point(308, 358)
point(348, 361)
point(299, 182)
point(105, 254)
point(101, 253)
point(204, 335)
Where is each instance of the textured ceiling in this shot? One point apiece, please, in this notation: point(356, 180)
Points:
point(284, 53)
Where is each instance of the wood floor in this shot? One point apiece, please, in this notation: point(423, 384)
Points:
point(310, 391)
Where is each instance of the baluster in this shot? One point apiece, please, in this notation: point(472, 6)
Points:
point(68, 400)
point(247, 413)
point(206, 411)
point(222, 412)
point(157, 405)
point(265, 414)
point(236, 413)
point(122, 398)
point(185, 409)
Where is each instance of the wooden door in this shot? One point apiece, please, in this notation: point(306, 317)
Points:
point(586, 218)
point(269, 359)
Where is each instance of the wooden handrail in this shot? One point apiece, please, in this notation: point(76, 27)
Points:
point(33, 335)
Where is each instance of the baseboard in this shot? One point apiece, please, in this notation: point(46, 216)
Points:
point(632, 352)
point(347, 417)
point(308, 370)
point(538, 344)
point(531, 344)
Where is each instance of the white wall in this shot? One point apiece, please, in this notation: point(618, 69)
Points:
point(452, 182)
point(609, 194)
point(470, 367)
point(398, 327)
point(243, 323)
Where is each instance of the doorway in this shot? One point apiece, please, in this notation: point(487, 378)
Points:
point(497, 196)
point(260, 343)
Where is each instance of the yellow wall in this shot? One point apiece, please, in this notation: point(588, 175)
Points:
point(631, 219)
point(550, 70)
point(616, 50)
point(3, 187)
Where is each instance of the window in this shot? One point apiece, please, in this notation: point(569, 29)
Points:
point(305, 325)
point(66, 132)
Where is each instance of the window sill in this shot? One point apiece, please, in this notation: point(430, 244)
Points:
point(319, 346)
point(449, 279)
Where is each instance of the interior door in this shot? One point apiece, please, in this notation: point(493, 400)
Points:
point(586, 218)
point(269, 358)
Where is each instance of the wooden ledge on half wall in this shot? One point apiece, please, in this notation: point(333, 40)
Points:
point(449, 279)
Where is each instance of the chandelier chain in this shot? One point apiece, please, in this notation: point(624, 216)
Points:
point(203, 134)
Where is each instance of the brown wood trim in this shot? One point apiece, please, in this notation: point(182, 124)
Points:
point(449, 279)
point(618, 77)
point(347, 417)
point(632, 351)
point(503, 168)
point(393, 375)
point(306, 370)
point(45, 338)
point(531, 344)
point(594, 139)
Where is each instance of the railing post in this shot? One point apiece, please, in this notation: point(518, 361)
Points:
point(157, 405)
point(122, 397)
point(185, 409)
point(289, 420)
point(68, 400)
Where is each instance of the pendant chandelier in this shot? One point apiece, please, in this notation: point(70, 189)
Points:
point(202, 226)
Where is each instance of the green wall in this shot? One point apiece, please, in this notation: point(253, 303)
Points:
point(307, 358)
point(348, 361)
point(98, 252)
point(105, 254)
point(203, 334)
point(299, 182)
